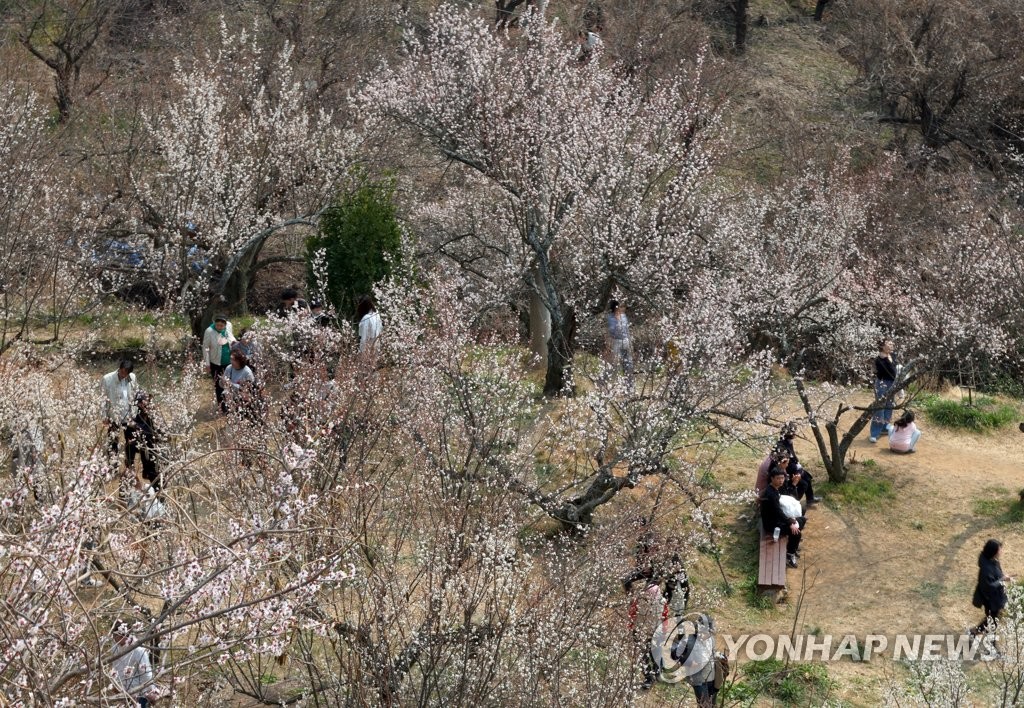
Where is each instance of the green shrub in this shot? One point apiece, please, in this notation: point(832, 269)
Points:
point(985, 414)
point(1002, 508)
point(859, 491)
point(797, 684)
point(359, 234)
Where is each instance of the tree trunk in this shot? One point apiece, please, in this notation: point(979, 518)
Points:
point(833, 451)
point(741, 9)
point(579, 512)
point(63, 81)
point(540, 322)
point(560, 351)
point(229, 292)
point(819, 10)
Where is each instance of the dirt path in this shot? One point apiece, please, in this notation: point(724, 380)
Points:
point(909, 567)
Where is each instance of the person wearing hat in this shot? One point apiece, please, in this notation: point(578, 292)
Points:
point(773, 517)
point(805, 481)
point(217, 342)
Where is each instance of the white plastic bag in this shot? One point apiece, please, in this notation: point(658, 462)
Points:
point(790, 506)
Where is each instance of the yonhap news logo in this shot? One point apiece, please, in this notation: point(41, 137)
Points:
point(849, 647)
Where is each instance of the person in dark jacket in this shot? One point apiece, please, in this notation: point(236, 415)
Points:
point(886, 372)
point(772, 516)
point(990, 591)
point(806, 480)
point(143, 440)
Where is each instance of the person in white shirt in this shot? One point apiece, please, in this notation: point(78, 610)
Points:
point(217, 341)
point(133, 671)
point(369, 325)
point(240, 385)
point(119, 388)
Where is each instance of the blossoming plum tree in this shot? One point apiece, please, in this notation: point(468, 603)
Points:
point(236, 156)
point(572, 180)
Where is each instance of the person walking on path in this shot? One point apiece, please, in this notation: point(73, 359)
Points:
point(217, 342)
point(120, 389)
point(886, 371)
point(990, 592)
point(143, 440)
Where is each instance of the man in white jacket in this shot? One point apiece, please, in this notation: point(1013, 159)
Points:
point(217, 342)
point(133, 671)
point(119, 388)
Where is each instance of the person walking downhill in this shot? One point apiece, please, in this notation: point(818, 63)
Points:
point(120, 389)
point(990, 592)
point(886, 371)
point(240, 385)
point(217, 342)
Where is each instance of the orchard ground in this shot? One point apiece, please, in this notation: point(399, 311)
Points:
point(901, 563)
point(900, 560)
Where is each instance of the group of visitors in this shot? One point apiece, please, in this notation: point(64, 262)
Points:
point(781, 483)
point(232, 365)
point(230, 361)
point(129, 418)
